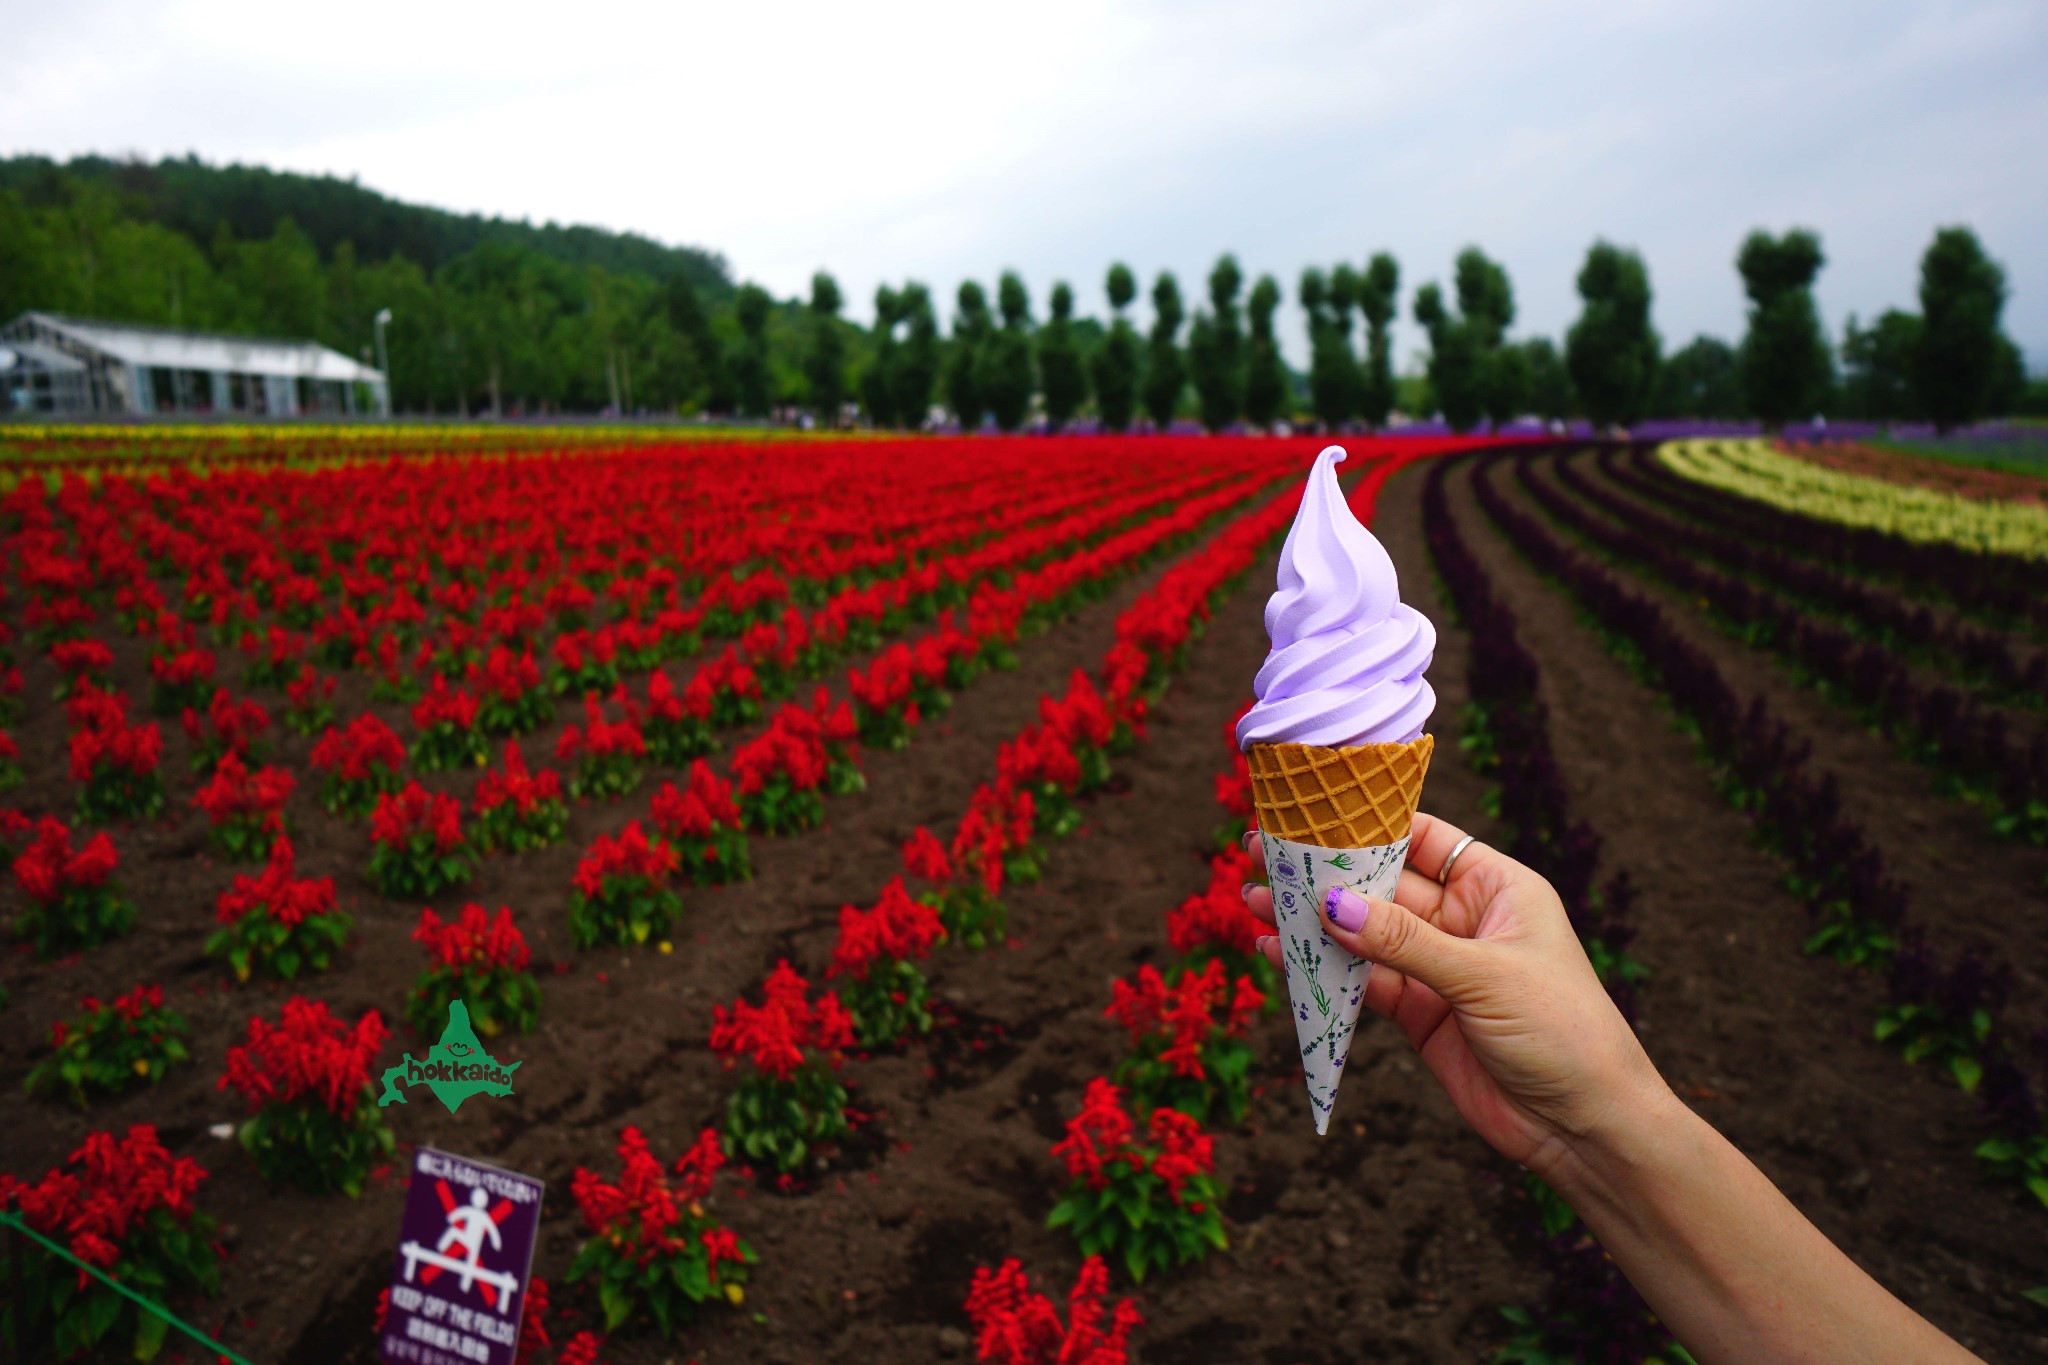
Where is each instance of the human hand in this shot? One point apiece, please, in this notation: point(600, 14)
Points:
point(1488, 982)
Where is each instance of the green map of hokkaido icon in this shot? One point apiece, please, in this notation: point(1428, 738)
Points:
point(454, 1068)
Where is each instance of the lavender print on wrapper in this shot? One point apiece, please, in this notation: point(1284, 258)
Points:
point(1325, 983)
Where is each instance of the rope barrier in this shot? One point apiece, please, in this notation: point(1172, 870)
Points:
point(18, 1224)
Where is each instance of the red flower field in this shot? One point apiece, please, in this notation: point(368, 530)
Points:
point(841, 836)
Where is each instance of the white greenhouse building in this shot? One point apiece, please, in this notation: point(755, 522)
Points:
point(55, 365)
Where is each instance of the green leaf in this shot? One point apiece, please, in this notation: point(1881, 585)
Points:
point(1967, 1071)
point(102, 1306)
point(2039, 1185)
point(149, 1335)
point(617, 1307)
point(2039, 1296)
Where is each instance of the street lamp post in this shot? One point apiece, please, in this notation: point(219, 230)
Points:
point(383, 360)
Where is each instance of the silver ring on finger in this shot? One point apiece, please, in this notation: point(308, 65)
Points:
point(1443, 876)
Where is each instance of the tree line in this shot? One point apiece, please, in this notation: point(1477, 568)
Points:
point(489, 316)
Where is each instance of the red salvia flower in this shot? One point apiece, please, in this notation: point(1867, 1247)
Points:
point(1097, 1137)
point(78, 657)
point(504, 675)
point(1015, 1326)
point(515, 784)
point(599, 737)
point(48, 868)
point(703, 805)
point(444, 705)
point(309, 1055)
point(353, 753)
point(110, 1189)
point(924, 856)
point(1200, 1005)
point(415, 810)
point(236, 793)
point(628, 854)
point(1217, 917)
point(895, 927)
point(277, 892)
point(472, 939)
point(776, 1034)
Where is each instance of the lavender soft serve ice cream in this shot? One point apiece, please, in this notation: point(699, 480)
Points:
point(1347, 653)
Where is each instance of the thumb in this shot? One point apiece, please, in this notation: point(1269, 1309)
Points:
point(1394, 936)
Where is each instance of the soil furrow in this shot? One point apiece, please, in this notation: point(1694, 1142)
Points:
point(1770, 1046)
point(1988, 898)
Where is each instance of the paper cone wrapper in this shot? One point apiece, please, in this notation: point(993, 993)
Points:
point(1331, 817)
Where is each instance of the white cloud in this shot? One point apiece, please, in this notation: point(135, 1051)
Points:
point(936, 140)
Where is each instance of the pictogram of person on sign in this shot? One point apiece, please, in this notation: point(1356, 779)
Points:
point(469, 1225)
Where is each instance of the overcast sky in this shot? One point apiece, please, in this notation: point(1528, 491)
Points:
point(937, 141)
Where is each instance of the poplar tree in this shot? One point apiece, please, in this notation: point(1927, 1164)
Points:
point(1265, 381)
point(750, 356)
point(825, 366)
point(1956, 363)
point(1164, 375)
point(971, 327)
point(1784, 362)
point(1612, 351)
point(1216, 349)
point(1116, 360)
point(916, 370)
point(1466, 369)
point(1006, 378)
point(1059, 361)
point(1331, 366)
point(1379, 292)
point(877, 394)
point(1879, 367)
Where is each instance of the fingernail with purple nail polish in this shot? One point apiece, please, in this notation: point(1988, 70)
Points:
point(1345, 908)
point(1245, 892)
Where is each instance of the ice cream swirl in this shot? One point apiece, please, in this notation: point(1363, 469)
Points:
point(1347, 654)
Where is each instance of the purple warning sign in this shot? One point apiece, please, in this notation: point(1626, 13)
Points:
point(465, 1248)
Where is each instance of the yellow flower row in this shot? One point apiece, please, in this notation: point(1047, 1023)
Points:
point(1752, 468)
point(92, 450)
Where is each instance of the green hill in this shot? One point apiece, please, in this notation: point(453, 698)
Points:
point(485, 312)
point(196, 199)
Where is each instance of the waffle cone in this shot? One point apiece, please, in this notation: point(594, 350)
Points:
point(1363, 796)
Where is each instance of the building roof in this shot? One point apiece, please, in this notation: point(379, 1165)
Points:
point(166, 347)
point(32, 355)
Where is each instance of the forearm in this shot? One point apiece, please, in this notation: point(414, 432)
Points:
point(1733, 1269)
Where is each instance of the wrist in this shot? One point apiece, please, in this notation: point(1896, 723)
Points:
point(1642, 1133)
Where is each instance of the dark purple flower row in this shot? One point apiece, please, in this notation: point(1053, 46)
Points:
point(1937, 724)
point(1589, 1310)
point(1861, 911)
point(1973, 654)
